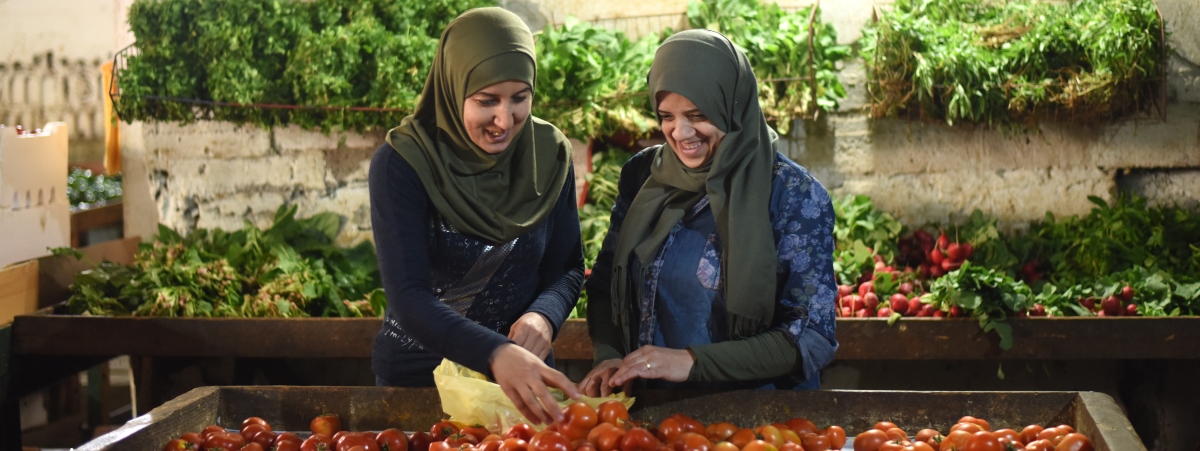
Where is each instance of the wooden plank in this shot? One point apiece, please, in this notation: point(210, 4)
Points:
point(18, 290)
point(82, 221)
point(57, 272)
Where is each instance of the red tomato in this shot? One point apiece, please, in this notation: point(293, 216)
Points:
point(613, 412)
point(356, 439)
point(255, 420)
point(983, 424)
point(179, 445)
point(725, 446)
point(689, 424)
point(258, 433)
point(513, 444)
point(252, 447)
point(194, 438)
point(871, 440)
point(720, 431)
point(549, 441)
point(691, 441)
point(792, 446)
point(228, 441)
point(392, 439)
point(286, 446)
point(814, 442)
point(1074, 442)
point(966, 427)
point(442, 430)
point(770, 434)
point(669, 430)
point(922, 446)
point(884, 425)
point(636, 439)
point(477, 430)
point(578, 420)
point(836, 436)
point(522, 431)
point(585, 445)
point(327, 424)
point(419, 441)
point(1008, 434)
point(801, 425)
point(1051, 433)
point(760, 445)
point(489, 445)
point(984, 441)
point(742, 437)
point(1040, 445)
point(459, 439)
point(1030, 433)
point(924, 435)
point(211, 429)
point(317, 442)
point(897, 434)
point(608, 437)
point(956, 440)
point(288, 437)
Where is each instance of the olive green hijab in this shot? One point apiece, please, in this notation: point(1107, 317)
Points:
point(707, 69)
point(493, 197)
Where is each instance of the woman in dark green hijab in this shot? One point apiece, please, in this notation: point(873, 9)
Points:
point(475, 222)
point(717, 271)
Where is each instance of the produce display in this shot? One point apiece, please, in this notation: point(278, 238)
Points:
point(1014, 61)
point(609, 428)
point(290, 269)
point(85, 189)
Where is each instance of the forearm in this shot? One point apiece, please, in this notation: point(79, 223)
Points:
point(762, 356)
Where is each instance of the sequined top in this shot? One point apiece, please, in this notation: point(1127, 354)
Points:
point(682, 304)
point(455, 296)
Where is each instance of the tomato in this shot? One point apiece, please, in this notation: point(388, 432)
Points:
point(760, 445)
point(211, 429)
point(983, 424)
point(725, 446)
point(225, 440)
point(871, 440)
point(1008, 434)
point(419, 441)
point(194, 438)
point(637, 439)
point(669, 430)
point(801, 425)
point(1039, 445)
point(286, 445)
point(1051, 433)
point(317, 442)
point(252, 447)
point(1065, 428)
point(790, 436)
point(442, 430)
point(1074, 442)
point(984, 441)
point(741, 437)
point(692, 441)
point(896, 445)
point(956, 440)
point(924, 435)
point(689, 424)
point(513, 444)
point(884, 425)
point(179, 445)
point(490, 445)
point(814, 442)
point(460, 439)
point(258, 433)
point(792, 446)
point(720, 431)
point(1030, 433)
point(770, 434)
point(585, 445)
point(966, 427)
point(327, 423)
point(392, 439)
point(613, 412)
point(440, 445)
point(523, 431)
point(549, 441)
point(896, 434)
point(288, 437)
point(255, 420)
point(477, 430)
point(836, 436)
point(921, 446)
point(578, 420)
point(356, 439)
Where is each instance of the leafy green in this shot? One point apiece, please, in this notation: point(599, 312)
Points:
point(596, 214)
point(860, 232)
point(1003, 62)
point(291, 269)
point(85, 189)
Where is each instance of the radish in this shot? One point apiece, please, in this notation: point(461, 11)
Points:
point(1111, 306)
point(884, 313)
point(899, 303)
point(870, 301)
point(943, 241)
point(927, 310)
point(844, 290)
point(866, 287)
point(905, 288)
point(1127, 293)
point(954, 252)
point(936, 257)
point(1131, 310)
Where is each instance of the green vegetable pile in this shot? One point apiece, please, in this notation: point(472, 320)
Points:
point(794, 54)
point(596, 214)
point(85, 189)
point(1006, 62)
point(348, 64)
point(291, 269)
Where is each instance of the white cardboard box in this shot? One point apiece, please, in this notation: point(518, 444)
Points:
point(34, 210)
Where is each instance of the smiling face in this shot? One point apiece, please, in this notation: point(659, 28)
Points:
point(493, 115)
point(691, 135)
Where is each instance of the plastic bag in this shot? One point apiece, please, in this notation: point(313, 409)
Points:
point(470, 398)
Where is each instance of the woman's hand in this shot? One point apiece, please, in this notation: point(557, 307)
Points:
point(596, 381)
point(653, 362)
point(532, 331)
point(524, 378)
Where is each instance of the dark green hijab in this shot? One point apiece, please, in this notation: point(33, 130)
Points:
point(493, 197)
point(707, 69)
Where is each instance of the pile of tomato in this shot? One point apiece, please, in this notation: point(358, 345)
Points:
point(608, 428)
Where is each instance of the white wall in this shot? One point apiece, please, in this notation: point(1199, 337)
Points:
point(71, 29)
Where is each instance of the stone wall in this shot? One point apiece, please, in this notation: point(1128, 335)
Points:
point(217, 175)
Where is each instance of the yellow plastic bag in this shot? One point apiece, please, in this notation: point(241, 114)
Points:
point(470, 398)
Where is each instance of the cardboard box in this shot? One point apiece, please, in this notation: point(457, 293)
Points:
point(34, 209)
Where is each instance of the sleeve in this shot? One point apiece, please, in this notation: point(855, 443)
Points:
point(560, 273)
point(802, 340)
point(399, 218)
point(607, 337)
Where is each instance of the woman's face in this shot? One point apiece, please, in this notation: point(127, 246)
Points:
point(493, 115)
point(691, 135)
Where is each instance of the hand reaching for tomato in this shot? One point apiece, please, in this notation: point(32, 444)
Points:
point(596, 382)
point(653, 362)
point(533, 331)
point(524, 378)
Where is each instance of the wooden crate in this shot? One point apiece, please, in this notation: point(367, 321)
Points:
point(376, 408)
point(18, 290)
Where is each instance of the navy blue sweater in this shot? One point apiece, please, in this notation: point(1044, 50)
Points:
point(453, 295)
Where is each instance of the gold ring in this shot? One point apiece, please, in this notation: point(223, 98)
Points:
point(648, 365)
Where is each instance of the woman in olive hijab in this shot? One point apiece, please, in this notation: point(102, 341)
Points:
point(717, 271)
point(475, 222)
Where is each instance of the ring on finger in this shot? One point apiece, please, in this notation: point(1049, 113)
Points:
point(649, 365)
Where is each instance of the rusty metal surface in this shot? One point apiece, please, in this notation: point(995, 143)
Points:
point(376, 408)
